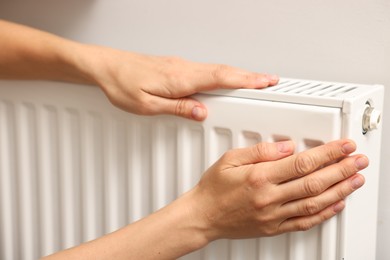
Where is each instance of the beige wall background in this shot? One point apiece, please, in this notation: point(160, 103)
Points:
point(313, 39)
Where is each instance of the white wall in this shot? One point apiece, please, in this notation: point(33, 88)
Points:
point(314, 39)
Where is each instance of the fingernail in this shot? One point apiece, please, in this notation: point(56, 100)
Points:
point(348, 148)
point(263, 81)
point(339, 206)
point(198, 113)
point(273, 78)
point(285, 146)
point(361, 162)
point(357, 182)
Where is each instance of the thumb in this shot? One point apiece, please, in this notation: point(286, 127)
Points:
point(184, 107)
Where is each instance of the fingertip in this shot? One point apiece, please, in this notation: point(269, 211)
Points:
point(262, 82)
point(339, 206)
point(348, 147)
point(361, 162)
point(265, 80)
point(273, 79)
point(199, 113)
point(285, 146)
point(357, 181)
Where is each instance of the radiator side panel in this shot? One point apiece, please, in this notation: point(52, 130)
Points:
point(359, 219)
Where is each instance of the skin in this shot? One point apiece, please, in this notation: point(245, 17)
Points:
point(130, 80)
point(262, 190)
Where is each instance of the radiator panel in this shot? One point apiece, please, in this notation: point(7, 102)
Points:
point(74, 168)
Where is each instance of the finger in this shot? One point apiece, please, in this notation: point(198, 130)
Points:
point(307, 222)
point(184, 107)
point(313, 205)
point(213, 76)
point(261, 152)
point(319, 181)
point(306, 162)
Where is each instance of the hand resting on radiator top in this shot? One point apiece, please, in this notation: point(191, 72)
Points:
point(137, 83)
point(262, 190)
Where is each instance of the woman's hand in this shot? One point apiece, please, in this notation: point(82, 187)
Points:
point(259, 191)
point(151, 85)
point(263, 191)
point(140, 84)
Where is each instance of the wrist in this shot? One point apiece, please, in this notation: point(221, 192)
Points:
point(78, 59)
point(185, 223)
point(202, 213)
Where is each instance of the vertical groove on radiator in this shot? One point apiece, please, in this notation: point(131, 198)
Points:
point(300, 242)
point(164, 170)
point(140, 181)
point(70, 168)
point(190, 157)
point(270, 248)
point(9, 227)
point(93, 178)
point(49, 179)
point(115, 175)
point(28, 181)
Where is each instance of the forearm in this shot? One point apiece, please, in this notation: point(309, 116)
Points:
point(27, 53)
point(166, 234)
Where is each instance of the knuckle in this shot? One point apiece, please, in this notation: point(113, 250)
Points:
point(304, 164)
point(268, 221)
point(172, 70)
point(261, 203)
point(143, 106)
point(311, 207)
point(342, 193)
point(344, 170)
point(180, 107)
point(331, 153)
point(270, 231)
point(255, 181)
point(228, 156)
point(261, 150)
point(304, 225)
point(312, 186)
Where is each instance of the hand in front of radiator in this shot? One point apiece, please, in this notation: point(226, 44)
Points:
point(151, 85)
point(264, 190)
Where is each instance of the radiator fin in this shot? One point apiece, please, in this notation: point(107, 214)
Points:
point(9, 189)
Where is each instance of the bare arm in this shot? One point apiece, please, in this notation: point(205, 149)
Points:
point(27, 53)
point(141, 84)
point(251, 192)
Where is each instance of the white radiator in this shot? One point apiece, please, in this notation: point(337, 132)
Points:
point(73, 167)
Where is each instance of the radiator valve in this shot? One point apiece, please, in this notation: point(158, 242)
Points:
point(371, 118)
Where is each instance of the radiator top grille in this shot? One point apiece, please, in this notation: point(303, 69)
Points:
point(321, 89)
point(306, 92)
